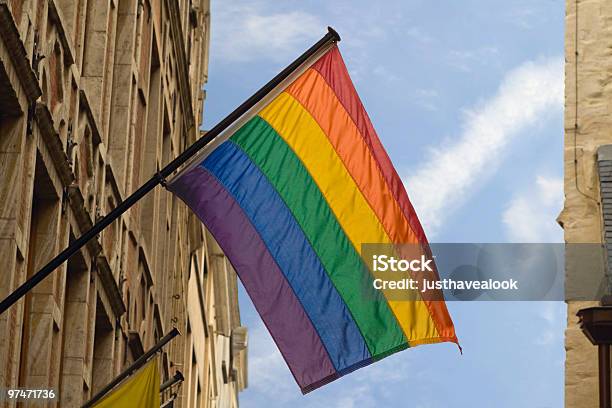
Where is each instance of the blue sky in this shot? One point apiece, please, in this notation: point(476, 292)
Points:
point(467, 98)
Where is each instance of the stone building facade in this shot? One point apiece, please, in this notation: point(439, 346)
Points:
point(95, 97)
point(588, 133)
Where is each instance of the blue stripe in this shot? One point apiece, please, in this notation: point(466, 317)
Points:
point(292, 251)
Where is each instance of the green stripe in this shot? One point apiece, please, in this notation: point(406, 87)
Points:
point(341, 261)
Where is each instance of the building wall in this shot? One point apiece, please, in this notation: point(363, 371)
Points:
point(588, 125)
point(95, 96)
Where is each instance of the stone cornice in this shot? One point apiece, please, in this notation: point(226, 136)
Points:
point(10, 35)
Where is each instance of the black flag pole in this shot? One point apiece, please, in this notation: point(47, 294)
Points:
point(177, 378)
point(142, 360)
point(161, 175)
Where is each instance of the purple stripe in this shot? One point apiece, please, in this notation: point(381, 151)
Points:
point(272, 296)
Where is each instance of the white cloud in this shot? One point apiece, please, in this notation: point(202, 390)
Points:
point(526, 95)
point(259, 30)
point(272, 377)
point(530, 216)
point(245, 32)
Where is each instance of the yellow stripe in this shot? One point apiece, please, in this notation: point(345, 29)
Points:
point(302, 133)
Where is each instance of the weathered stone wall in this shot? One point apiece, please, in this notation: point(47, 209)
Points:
point(95, 96)
point(588, 125)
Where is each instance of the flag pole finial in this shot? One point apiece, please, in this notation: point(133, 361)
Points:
point(334, 33)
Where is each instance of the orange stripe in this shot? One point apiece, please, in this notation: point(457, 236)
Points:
point(314, 93)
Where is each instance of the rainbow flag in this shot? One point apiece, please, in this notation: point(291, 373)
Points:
point(290, 194)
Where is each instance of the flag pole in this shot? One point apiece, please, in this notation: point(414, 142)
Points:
point(161, 175)
point(142, 360)
point(177, 378)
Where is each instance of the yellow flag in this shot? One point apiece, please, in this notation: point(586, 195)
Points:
point(140, 390)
